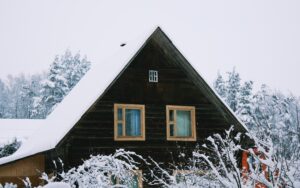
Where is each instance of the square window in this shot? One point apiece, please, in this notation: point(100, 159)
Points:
point(153, 76)
point(129, 122)
point(181, 123)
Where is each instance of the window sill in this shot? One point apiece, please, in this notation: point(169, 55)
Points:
point(129, 139)
point(188, 139)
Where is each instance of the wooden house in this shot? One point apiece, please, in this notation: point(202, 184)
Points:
point(146, 98)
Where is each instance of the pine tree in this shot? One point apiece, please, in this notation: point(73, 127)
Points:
point(76, 67)
point(3, 99)
point(220, 86)
point(54, 88)
point(65, 72)
point(244, 107)
point(233, 88)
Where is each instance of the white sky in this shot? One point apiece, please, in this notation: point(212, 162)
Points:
point(261, 38)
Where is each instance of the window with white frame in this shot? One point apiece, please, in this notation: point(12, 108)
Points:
point(153, 76)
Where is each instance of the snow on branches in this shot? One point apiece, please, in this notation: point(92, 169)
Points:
point(118, 169)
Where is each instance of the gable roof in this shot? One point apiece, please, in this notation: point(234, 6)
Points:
point(93, 85)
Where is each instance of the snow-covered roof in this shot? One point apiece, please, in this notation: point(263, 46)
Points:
point(20, 129)
point(80, 99)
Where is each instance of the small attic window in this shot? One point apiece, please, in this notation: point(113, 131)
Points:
point(153, 76)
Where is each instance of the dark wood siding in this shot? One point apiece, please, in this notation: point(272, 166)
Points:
point(93, 134)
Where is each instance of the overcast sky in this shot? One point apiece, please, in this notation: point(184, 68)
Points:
point(261, 38)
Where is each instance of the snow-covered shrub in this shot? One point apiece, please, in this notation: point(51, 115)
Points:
point(216, 164)
point(220, 154)
point(8, 185)
point(102, 171)
point(264, 166)
point(57, 185)
point(10, 148)
point(191, 176)
point(269, 168)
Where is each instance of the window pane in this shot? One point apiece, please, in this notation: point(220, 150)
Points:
point(134, 182)
point(171, 129)
point(183, 123)
point(120, 127)
point(120, 114)
point(171, 115)
point(133, 122)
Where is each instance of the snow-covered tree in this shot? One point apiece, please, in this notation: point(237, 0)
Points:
point(35, 96)
point(54, 88)
point(233, 88)
point(65, 72)
point(75, 67)
point(244, 106)
point(3, 99)
point(220, 86)
point(274, 115)
point(16, 96)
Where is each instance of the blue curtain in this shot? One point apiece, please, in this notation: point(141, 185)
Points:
point(133, 122)
point(183, 123)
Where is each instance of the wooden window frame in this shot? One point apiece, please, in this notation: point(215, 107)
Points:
point(193, 137)
point(116, 121)
point(139, 173)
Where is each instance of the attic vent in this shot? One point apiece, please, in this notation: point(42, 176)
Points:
point(153, 76)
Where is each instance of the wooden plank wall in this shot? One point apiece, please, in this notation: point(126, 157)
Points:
point(27, 167)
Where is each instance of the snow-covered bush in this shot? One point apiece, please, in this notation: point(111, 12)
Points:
point(8, 185)
point(269, 168)
point(57, 185)
point(214, 164)
point(217, 164)
point(192, 176)
point(102, 171)
point(220, 154)
point(10, 148)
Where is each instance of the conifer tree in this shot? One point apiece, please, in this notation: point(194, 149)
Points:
point(233, 88)
point(220, 86)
